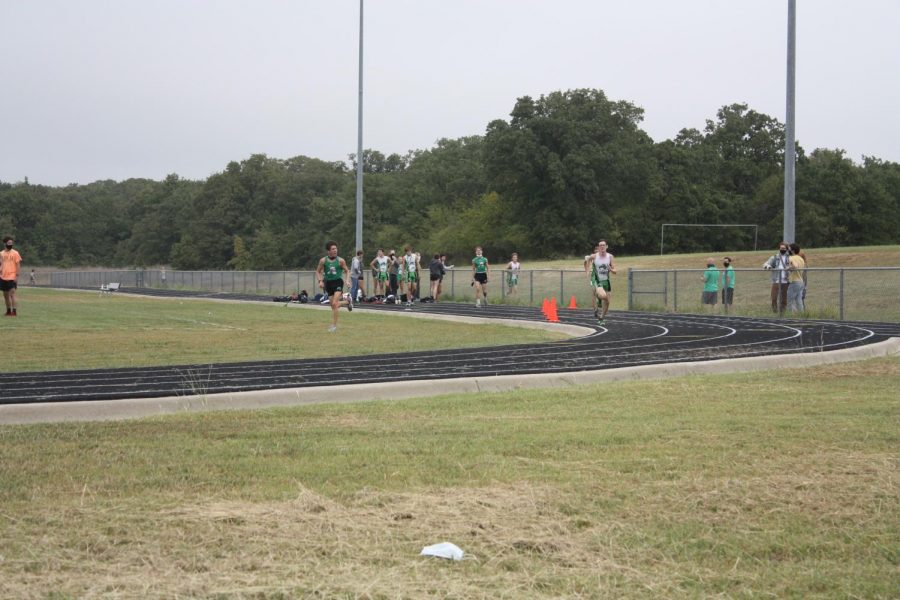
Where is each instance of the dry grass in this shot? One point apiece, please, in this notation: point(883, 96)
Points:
point(732, 486)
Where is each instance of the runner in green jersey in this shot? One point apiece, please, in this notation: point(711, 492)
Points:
point(332, 274)
point(480, 270)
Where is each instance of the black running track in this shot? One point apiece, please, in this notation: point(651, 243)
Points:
point(628, 339)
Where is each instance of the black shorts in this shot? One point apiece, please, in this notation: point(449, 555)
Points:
point(7, 285)
point(333, 285)
point(435, 277)
point(728, 296)
point(481, 278)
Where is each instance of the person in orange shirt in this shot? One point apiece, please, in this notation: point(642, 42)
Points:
point(9, 273)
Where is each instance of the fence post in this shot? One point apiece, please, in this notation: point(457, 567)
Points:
point(841, 295)
point(452, 283)
point(675, 292)
point(630, 284)
point(562, 293)
point(531, 287)
point(666, 292)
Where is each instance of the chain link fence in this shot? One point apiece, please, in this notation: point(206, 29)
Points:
point(858, 294)
point(866, 294)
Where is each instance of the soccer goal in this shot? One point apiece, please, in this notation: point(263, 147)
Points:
point(662, 231)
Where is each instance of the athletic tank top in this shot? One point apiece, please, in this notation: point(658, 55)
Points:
point(514, 267)
point(480, 263)
point(333, 269)
point(410, 263)
point(382, 264)
point(601, 266)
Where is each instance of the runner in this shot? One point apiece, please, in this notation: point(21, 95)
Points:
point(332, 274)
point(379, 265)
point(481, 268)
point(512, 274)
point(412, 269)
point(602, 264)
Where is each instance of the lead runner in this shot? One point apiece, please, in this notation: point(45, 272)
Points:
point(332, 274)
point(601, 265)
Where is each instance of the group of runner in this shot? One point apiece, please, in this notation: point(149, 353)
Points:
point(397, 279)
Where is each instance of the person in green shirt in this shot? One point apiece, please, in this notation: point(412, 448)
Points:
point(480, 270)
point(710, 279)
point(332, 274)
point(727, 284)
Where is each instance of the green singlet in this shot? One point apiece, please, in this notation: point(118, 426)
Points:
point(333, 269)
point(480, 263)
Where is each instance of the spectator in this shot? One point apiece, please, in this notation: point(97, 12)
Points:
point(727, 284)
point(9, 275)
point(437, 271)
point(356, 273)
point(802, 255)
point(710, 278)
point(32, 278)
point(796, 276)
point(440, 286)
point(779, 264)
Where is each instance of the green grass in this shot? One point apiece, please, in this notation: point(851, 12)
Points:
point(748, 485)
point(72, 330)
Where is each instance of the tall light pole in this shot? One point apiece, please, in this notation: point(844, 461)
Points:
point(359, 141)
point(790, 158)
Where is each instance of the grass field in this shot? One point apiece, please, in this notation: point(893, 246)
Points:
point(72, 330)
point(731, 486)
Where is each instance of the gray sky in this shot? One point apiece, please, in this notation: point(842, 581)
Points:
point(112, 89)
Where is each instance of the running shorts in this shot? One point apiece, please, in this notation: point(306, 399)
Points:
point(333, 285)
point(7, 285)
point(481, 278)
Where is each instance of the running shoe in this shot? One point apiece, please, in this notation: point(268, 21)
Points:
point(332, 329)
point(349, 304)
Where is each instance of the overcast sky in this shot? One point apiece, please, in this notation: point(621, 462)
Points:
point(114, 89)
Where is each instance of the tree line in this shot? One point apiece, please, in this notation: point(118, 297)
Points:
point(565, 169)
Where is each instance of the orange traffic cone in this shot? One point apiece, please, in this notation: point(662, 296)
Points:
point(545, 307)
point(572, 303)
point(553, 317)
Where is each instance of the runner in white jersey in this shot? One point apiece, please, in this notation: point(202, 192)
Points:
point(379, 264)
point(601, 264)
point(512, 274)
point(412, 268)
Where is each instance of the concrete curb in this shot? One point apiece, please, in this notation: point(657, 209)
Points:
point(128, 409)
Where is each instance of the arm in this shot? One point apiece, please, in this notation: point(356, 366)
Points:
point(319, 275)
point(612, 267)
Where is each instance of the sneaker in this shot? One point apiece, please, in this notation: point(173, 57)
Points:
point(332, 329)
point(485, 301)
point(350, 305)
point(601, 322)
point(13, 313)
point(8, 312)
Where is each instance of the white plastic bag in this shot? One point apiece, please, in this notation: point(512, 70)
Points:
point(443, 550)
